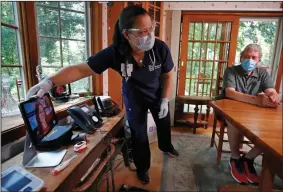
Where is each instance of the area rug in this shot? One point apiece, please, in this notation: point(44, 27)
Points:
point(196, 169)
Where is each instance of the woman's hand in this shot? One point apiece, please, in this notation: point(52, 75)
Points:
point(163, 108)
point(40, 89)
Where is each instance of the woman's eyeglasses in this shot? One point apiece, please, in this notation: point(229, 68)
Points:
point(142, 32)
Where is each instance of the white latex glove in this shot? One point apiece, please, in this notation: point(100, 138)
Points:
point(41, 88)
point(163, 108)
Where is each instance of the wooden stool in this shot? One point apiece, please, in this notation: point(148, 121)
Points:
point(196, 100)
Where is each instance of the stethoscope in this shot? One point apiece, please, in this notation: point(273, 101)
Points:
point(127, 68)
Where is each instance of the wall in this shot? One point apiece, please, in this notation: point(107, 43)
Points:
point(223, 6)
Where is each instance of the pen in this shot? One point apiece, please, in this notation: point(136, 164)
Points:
point(62, 165)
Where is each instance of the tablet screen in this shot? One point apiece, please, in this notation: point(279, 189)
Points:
point(39, 115)
point(14, 181)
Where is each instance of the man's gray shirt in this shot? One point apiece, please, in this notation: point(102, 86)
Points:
point(236, 77)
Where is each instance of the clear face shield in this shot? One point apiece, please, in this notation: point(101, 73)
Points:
point(143, 39)
point(142, 32)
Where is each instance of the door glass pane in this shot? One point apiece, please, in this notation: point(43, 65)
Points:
point(219, 31)
point(157, 15)
point(212, 34)
point(198, 31)
point(157, 30)
point(151, 12)
point(191, 32)
point(158, 3)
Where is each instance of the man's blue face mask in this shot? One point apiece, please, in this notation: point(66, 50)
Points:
point(248, 64)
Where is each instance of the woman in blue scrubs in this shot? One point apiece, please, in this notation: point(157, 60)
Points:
point(145, 64)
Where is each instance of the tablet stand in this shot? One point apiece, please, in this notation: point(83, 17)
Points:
point(33, 158)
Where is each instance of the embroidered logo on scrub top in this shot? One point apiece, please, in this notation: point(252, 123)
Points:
point(153, 67)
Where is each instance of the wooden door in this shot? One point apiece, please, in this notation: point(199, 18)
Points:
point(208, 45)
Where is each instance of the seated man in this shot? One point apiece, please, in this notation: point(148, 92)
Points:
point(247, 83)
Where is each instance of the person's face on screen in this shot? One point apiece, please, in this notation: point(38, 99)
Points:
point(41, 115)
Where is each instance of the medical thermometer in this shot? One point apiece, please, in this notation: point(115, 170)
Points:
point(62, 165)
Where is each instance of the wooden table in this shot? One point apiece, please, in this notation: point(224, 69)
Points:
point(263, 127)
point(196, 100)
point(68, 178)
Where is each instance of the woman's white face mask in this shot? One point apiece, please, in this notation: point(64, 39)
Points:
point(144, 43)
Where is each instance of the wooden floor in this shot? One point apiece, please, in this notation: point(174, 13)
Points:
point(124, 175)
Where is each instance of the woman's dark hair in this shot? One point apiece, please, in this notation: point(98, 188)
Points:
point(126, 21)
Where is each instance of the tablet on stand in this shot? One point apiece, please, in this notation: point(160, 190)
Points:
point(33, 158)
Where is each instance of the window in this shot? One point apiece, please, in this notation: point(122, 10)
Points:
point(62, 33)
point(261, 31)
point(11, 56)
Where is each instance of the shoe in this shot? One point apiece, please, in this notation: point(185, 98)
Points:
point(173, 153)
point(143, 177)
point(238, 170)
point(250, 170)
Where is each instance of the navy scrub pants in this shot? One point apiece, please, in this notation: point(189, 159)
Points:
point(136, 111)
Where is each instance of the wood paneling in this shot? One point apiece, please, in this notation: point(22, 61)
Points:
point(96, 42)
point(28, 32)
point(114, 78)
point(238, 13)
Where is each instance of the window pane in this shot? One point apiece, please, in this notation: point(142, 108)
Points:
point(9, 48)
point(78, 6)
point(49, 52)
point(48, 21)
point(260, 32)
point(15, 74)
point(73, 25)
point(76, 87)
point(80, 86)
point(7, 15)
point(49, 3)
point(73, 52)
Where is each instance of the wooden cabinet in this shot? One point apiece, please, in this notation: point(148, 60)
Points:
point(155, 10)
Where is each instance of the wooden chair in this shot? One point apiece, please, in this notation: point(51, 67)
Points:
point(220, 134)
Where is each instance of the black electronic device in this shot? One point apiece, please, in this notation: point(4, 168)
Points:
point(85, 118)
point(61, 93)
point(107, 106)
point(42, 124)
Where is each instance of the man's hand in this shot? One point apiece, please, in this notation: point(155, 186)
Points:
point(265, 101)
point(274, 97)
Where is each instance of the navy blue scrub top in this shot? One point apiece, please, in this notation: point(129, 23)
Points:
point(146, 80)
